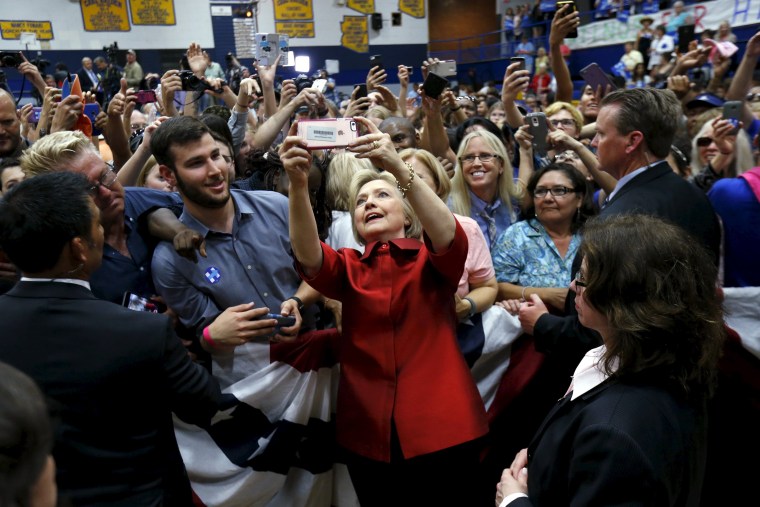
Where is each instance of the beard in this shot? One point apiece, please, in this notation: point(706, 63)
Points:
point(197, 196)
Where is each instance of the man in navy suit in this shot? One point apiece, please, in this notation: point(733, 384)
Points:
point(112, 376)
point(88, 78)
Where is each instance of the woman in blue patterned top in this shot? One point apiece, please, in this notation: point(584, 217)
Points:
point(535, 256)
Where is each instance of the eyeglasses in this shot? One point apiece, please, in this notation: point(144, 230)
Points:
point(565, 122)
point(566, 156)
point(107, 179)
point(484, 157)
point(555, 191)
point(753, 97)
point(579, 284)
point(704, 142)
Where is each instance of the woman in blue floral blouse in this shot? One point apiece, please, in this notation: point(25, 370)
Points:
point(535, 256)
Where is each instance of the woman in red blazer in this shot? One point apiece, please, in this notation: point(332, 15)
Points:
point(409, 414)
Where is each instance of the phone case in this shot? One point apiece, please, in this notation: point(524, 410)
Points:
point(362, 90)
point(376, 61)
point(319, 84)
point(434, 85)
point(574, 33)
point(596, 77)
point(445, 68)
point(284, 49)
point(269, 46)
point(539, 130)
point(732, 110)
point(327, 133)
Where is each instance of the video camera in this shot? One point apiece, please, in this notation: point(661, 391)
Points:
point(111, 51)
point(191, 82)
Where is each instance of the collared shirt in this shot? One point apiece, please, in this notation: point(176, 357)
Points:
point(252, 264)
point(526, 255)
point(400, 360)
point(503, 215)
point(625, 179)
point(589, 372)
point(119, 274)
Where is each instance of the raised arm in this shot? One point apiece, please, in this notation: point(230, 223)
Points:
point(742, 80)
point(515, 81)
point(435, 217)
point(565, 21)
point(304, 236)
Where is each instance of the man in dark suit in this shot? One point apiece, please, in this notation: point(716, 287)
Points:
point(635, 129)
point(112, 376)
point(88, 78)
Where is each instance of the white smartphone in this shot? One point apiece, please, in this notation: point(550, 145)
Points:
point(327, 133)
point(271, 45)
point(319, 84)
point(445, 68)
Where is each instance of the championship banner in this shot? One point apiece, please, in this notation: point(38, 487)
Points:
point(13, 29)
point(363, 6)
point(293, 10)
point(296, 29)
point(705, 14)
point(415, 8)
point(105, 15)
point(354, 33)
point(152, 12)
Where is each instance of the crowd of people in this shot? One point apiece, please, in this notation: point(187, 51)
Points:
point(605, 240)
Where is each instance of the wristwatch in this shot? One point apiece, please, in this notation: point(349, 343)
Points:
point(297, 300)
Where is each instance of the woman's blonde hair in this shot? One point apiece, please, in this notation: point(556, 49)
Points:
point(508, 190)
point(557, 106)
point(743, 159)
point(342, 168)
point(149, 164)
point(361, 178)
point(440, 178)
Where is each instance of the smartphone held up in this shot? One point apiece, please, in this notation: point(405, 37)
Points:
point(574, 33)
point(328, 132)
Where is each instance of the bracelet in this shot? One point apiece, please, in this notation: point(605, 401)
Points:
point(297, 300)
point(207, 337)
point(473, 306)
point(408, 186)
point(522, 294)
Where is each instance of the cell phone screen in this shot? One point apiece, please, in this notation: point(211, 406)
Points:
point(434, 85)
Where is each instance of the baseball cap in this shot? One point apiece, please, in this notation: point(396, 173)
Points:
point(131, 51)
point(705, 100)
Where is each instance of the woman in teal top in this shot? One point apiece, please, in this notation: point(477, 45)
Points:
point(535, 256)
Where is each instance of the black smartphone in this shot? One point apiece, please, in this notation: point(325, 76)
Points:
point(362, 90)
point(685, 36)
point(376, 61)
point(732, 110)
point(539, 130)
point(434, 85)
point(520, 60)
point(596, 77)
point(573, 8)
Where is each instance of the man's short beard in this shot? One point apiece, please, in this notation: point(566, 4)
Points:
point(201, 199)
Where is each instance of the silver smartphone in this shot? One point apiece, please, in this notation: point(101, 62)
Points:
point(732, 110)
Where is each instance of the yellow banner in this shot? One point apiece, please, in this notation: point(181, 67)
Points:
point(363, 6)
point(415, 8)
point(293, 10)
point(354, 33)
point(152, 12)
point(105, 15)
point(301, 30)
point(14, 29)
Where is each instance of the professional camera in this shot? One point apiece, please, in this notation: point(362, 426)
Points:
point(111, 51)
point(11, 58)
point(190, 82)
point(302, 82)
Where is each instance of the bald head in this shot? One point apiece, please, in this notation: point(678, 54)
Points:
point(402, 132)
point(10, 126)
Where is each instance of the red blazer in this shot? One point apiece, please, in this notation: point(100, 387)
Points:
point(399, 355)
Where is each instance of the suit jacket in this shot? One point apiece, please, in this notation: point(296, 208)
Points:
point(112, 377)
point(618, 444)
point(85, 81)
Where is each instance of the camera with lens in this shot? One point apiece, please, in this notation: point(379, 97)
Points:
point(11, 58)
point(192, 83)
point(302, 82)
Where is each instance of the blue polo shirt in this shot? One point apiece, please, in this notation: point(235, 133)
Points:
point(119, 274)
